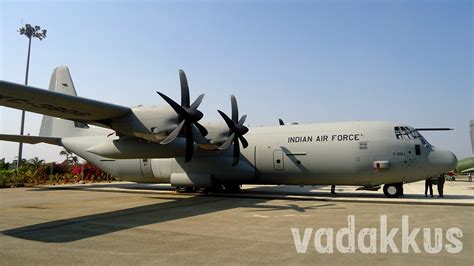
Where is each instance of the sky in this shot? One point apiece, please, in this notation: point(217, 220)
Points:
point(302, 61)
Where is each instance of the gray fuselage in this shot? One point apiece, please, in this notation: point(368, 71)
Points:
point(345, 153)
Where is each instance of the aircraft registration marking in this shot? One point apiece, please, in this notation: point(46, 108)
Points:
point(399, 153)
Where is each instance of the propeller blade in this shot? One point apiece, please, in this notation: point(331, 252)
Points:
point(227, 120)
point(201, 128)
point(245, 144)
point(197, 102)
point(236, 153)
point(237, 128)
point(198, 138)
point(188, 117)
point(173, 134)
point(242, 120)
point(184, 89)
point(189, 143)
point(235, 109)
point(176, 107)
point(227, 143)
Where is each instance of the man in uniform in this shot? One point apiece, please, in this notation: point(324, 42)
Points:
point(441, 180)
point(428, 184)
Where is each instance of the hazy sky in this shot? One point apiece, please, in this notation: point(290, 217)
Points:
point(303, 61)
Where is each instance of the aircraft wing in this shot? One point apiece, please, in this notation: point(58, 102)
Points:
point(58, 104)
point(30, 139)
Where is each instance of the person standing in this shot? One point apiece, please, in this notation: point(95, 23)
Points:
point(333, 190)
point(470, 177)
point(441, 181)
point(428, 185)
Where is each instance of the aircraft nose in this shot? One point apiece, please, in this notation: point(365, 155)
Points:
point(442, 161)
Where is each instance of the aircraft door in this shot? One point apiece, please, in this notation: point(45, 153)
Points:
point(145, 166)
point(413, 155)
point(278, 160)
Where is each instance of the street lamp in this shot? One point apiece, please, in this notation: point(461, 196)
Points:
point(30, 32)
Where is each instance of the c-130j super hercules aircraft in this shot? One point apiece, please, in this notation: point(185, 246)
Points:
point(168, 144)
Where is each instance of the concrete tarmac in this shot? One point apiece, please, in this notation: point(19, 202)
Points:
point(124, 223)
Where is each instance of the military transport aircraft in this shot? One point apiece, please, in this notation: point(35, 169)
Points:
point(170, 144)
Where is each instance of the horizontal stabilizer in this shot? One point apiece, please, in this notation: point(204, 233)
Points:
point(30, 139)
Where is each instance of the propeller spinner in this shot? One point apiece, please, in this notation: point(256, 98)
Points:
point(188, 116)
point(237, 130)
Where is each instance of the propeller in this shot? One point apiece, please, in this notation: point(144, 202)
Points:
point(237, 131)
point(188, 116)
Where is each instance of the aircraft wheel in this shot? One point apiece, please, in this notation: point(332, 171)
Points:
point(232, 188)
point(216, 187)
point(393, 190)
point(184, 189)
point(203, 190)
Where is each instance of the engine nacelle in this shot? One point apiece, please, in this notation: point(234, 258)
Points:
point(152, 123)
point(132, 148)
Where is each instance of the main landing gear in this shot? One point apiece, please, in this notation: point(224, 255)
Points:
point(394, 190)
point(222, 188)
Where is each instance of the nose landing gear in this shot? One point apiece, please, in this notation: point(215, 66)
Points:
point(394, 190)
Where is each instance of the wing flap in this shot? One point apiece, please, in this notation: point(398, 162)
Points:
point(30, 139)
point(57, 104)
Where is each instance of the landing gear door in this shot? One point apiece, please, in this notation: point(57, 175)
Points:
point(145, 166)
point(278, 162)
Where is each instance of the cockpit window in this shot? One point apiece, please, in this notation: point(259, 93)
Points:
point(423, 140)
point(404, 133)
point(398, 133)
point(410, 133)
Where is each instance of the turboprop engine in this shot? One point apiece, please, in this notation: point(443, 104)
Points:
point(172, 131)
point(132, 148)
point(163, 124)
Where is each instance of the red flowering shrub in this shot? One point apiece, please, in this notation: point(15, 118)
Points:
point(91, 172)
point(76, 169)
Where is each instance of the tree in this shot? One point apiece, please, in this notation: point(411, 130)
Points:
point(70, 157)
point(35, 162)
point(4, 165)
point(15, 162)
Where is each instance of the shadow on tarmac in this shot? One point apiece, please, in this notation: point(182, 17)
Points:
point(188, 205)
point(83, 227)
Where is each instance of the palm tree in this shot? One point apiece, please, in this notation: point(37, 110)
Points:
point(14, 163)
point(4, 165)
point(35, 162)
point(70, 157)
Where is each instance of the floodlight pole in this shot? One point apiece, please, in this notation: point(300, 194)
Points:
point(30, 32)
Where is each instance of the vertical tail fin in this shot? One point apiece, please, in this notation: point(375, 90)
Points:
point(61, 82)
